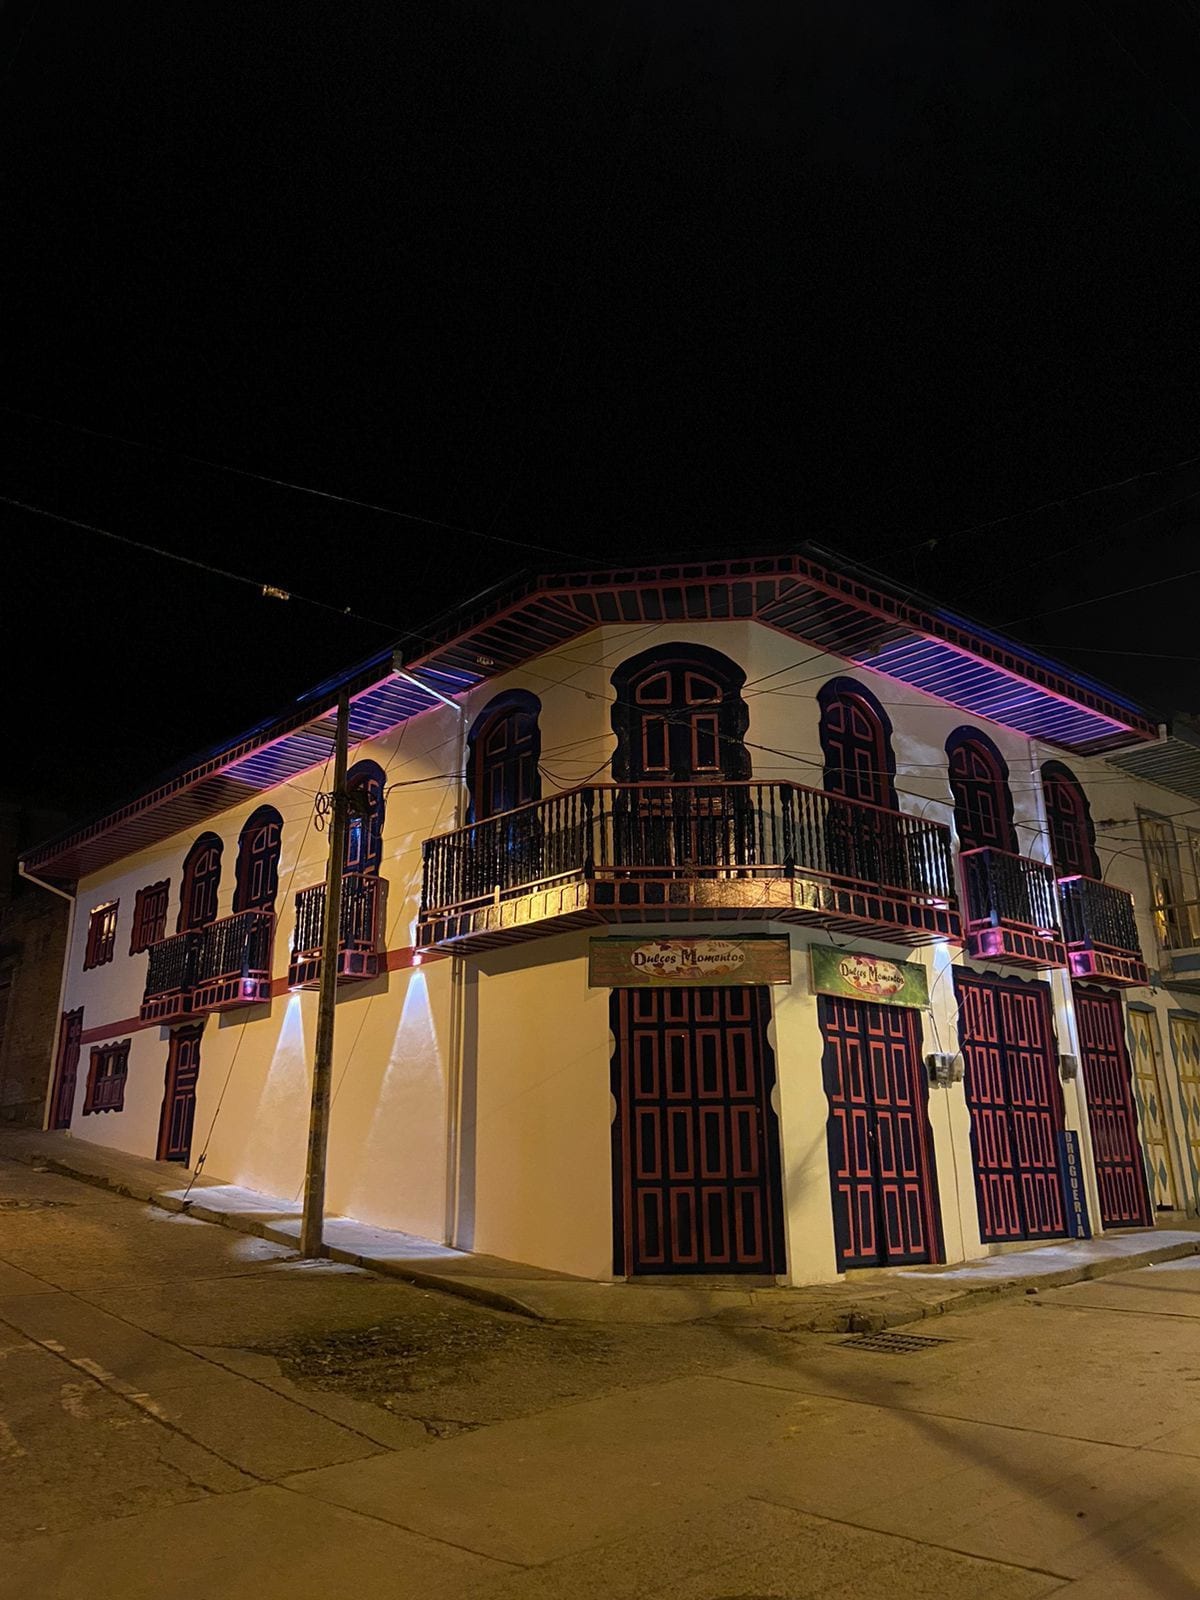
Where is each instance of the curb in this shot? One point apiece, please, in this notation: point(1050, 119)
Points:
point(774, 1316)
point(495, 1299)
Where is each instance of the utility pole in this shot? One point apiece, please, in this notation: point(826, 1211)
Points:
point(312, 1226)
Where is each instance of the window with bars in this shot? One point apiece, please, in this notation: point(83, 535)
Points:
point(102, 935)
point(149, 916)
point(107, 1071)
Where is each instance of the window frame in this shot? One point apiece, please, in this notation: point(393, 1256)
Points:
point(108, 1072)
point(101, 935)
point(139, 935)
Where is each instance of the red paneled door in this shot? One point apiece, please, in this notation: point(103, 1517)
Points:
point(1016, 1107)
point(62, 1101)
point(179, 1096)
point(885, 1208)
point(695, 1146)
point(1120, 1170)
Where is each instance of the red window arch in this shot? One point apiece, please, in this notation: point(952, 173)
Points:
point(258, 861)
point(1072, 832)
point(983, 808)
point(201, 883)
point(856, 741)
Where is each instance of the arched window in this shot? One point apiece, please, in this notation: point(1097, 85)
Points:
point(1072, 833)
point(679, 716)
point(258, 861)
point(201, 882)
point(856, 740)
point(364, 830)
point(503, 748)
point(983, 808)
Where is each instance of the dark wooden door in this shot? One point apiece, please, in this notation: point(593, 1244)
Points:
point(506, 764)
point(695, 1145)
point(179, 1096)
point(982, 804)
point(1015, 1101)
point(885, 1208)
point(62, 1101)
point(1069, 819)
point(1112, 1119)
point(201, 884)
point(258, 863)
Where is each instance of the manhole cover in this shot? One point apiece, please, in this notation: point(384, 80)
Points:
point(34, 1205)
point(895, 1344)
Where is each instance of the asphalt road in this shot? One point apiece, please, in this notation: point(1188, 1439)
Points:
point(189, 1412)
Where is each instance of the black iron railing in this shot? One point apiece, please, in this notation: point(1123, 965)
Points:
point(237, 946)
point(687, 830)
point(359, 917)
point(1098, 914)
point(1006, 890)
point(172, 964)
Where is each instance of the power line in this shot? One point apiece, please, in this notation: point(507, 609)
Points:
point(300, 488)
point(1075, 605)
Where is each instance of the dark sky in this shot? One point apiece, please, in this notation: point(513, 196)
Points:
point(627, 280)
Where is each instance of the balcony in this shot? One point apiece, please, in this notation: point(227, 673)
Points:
point(610, 853)
point(1101, 932)
point(363, 900)
point(1010, 909)
point(210, 969)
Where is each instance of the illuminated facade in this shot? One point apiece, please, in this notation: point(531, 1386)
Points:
point(747, 917)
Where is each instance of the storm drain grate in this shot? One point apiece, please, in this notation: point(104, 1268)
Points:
point(895, 1344)
point(34, 1205)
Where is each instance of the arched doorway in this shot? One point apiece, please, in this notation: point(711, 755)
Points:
point(680, 723)
point(258, 861)
point(365, 785)
point(679, 717)
point(983, 807)
point(201, 884)
point(1069, 817)
point(503, 748)
point(862, 842)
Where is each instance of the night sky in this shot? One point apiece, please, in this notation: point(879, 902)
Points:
point(637, 280)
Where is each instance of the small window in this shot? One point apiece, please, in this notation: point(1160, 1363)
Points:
point(149, 916)
point(106, 1078)
point(102, 935)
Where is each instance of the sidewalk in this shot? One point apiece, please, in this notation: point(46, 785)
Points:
point(866, 1303)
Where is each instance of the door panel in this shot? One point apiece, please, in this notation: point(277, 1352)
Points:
point(880, 1151)
point(1120, 1170)
point(1154, 1109)
point(62, 1102)
point(695, 1150)
point(1185, 1047)
point(179, 1096)
point(1016, 1107)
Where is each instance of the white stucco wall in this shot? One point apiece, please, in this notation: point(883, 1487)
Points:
point(527, 1101)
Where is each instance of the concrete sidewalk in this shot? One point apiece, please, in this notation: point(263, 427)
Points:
point(867, 1302)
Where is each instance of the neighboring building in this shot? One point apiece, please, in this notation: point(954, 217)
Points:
point(748, 916)
point(33, 936)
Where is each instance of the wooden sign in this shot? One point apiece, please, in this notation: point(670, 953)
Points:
point(855, 976)
point(689, 963)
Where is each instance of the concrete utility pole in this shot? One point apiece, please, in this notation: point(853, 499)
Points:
point(312, 1226)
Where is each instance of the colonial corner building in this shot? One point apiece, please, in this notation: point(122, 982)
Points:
point(747, 917)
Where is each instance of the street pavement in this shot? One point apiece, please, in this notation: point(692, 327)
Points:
point(186, 1411)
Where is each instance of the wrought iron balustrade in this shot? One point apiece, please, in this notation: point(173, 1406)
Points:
point(707, 834)
point(359, 923)
point(1101, 931)
point(1011, 909)
point(207, 969)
